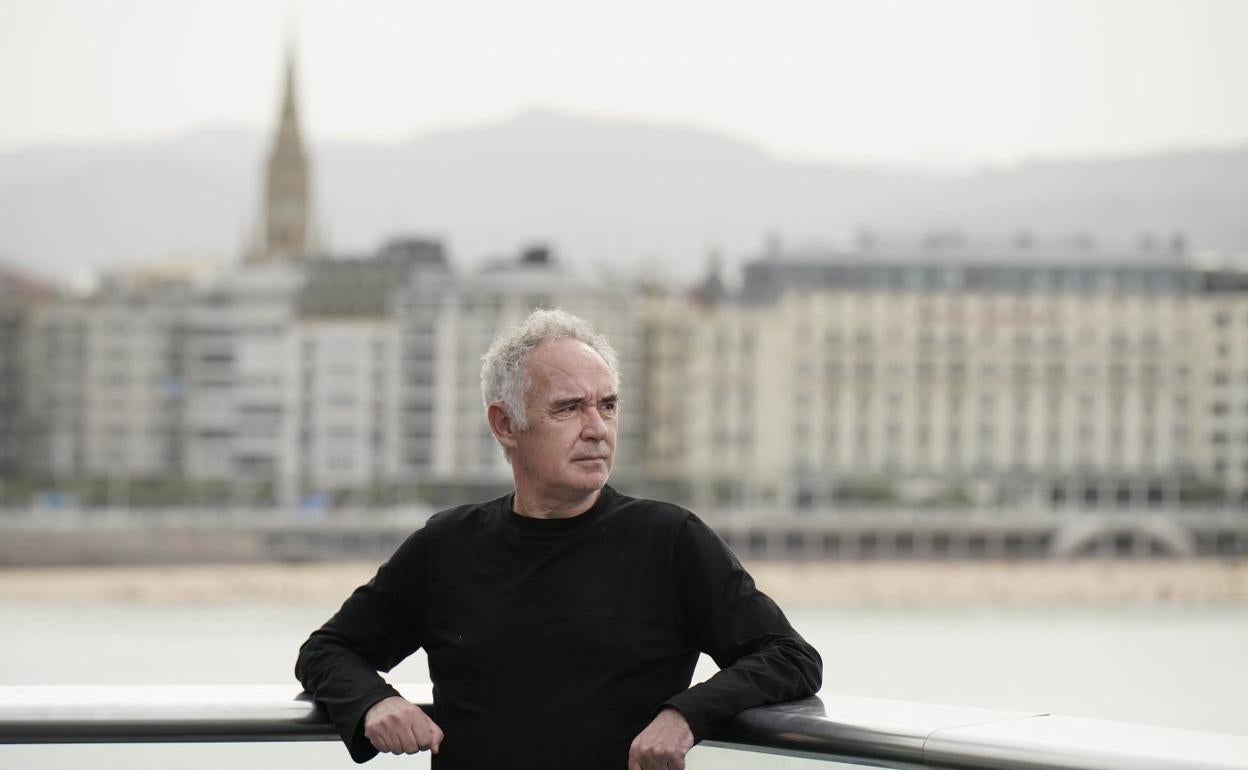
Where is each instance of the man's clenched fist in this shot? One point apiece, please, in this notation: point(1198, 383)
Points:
point(663, 744)
point(397, 726)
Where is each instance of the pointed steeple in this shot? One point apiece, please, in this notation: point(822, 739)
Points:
point(286, 220)
point(288, 130)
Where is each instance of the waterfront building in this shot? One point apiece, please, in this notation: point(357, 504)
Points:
point(1219, 381)
point(289, 379)
point(20, 437)
point(951, 372)
point(240, 364)
point(348, 421)
point(110, 402)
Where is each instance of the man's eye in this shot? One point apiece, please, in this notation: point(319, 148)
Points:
point(608, 406)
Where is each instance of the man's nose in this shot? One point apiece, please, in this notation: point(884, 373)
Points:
point(592, 424)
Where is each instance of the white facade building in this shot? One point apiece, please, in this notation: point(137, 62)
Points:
point(111, 401)
point(1042, 381)
point(345, 405)
point(346, 398)
point(240, 378)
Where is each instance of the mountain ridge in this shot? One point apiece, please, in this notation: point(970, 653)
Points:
point(618, 195)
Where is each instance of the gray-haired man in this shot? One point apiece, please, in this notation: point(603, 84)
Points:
point(562, 621)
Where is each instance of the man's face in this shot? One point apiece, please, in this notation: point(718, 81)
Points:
point(569, 446)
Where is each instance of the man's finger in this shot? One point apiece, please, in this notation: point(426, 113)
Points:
point(379, 743)
point(395, 742)
point(413, 735)
point(436, 743)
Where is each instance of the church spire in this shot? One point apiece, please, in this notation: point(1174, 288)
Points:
point(286, 218)
point(288, 130)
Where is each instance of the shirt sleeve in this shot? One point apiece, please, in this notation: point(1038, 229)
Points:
point(761, 658)
point(379, 625)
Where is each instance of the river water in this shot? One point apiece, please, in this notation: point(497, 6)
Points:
point(1162, 665)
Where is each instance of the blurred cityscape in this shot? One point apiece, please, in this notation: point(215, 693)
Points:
point(938, 395)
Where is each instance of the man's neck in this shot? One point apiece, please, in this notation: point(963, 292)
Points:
point(535, 506)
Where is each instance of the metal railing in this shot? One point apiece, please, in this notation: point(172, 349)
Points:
point(865, 731)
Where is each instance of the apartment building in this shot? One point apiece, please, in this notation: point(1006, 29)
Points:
point(1018, 374)
point(20, 437)
point(1219, 392)
point(348, 422)
point(110, 402)
point(240, 367)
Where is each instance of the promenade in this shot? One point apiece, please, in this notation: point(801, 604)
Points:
point(793, 584)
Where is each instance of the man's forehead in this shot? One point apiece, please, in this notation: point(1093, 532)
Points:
point(570, 371)
point(568, 357)
point(561, 388)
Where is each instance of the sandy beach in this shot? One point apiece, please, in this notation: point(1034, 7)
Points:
point(848, 584)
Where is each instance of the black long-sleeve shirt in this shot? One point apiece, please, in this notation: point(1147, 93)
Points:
point(553, 642)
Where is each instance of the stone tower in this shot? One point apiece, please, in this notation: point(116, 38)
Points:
point(287, 219)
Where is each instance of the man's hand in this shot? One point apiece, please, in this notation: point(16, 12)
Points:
point(663, 744)
point(397, 726)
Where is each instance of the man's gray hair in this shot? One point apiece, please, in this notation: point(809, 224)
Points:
point(505, 366)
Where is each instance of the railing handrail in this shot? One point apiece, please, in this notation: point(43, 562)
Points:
point(880, 732)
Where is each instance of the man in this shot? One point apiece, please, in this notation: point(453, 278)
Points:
point(563, 621)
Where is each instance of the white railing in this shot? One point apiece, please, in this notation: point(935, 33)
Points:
point(862, 731)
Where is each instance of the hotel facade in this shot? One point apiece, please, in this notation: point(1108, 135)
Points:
point(952, 374)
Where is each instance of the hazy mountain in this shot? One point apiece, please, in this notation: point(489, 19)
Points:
point(623, 196)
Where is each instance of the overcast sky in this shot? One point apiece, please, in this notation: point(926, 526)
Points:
point(930, 82)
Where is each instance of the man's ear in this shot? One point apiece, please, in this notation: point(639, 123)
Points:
point(501, 425)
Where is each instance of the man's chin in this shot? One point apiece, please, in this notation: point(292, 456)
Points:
point(592, 473)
